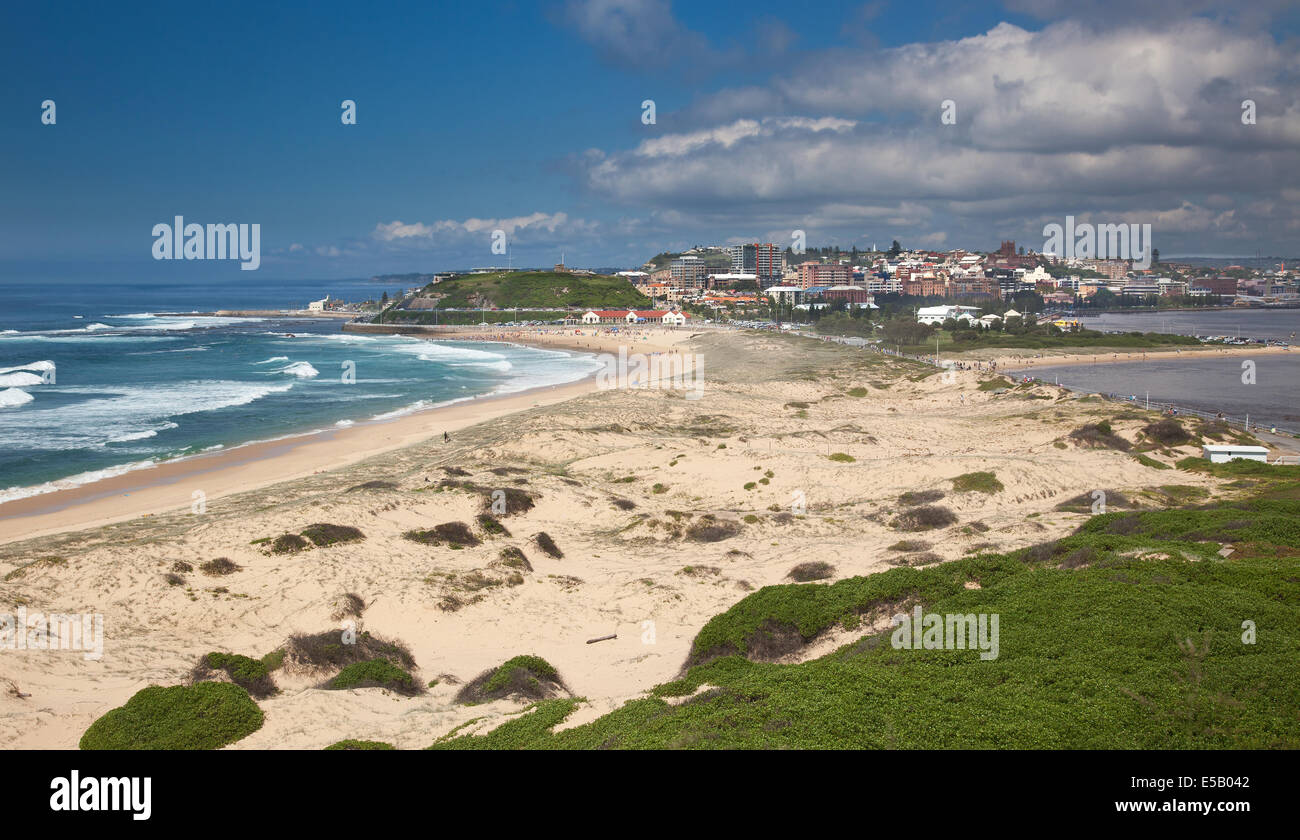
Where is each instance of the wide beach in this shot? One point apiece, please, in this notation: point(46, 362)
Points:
point(665, 511)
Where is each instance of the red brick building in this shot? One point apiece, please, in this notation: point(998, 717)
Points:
point(823, 274)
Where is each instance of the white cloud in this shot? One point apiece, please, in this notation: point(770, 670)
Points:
point(1070, 119)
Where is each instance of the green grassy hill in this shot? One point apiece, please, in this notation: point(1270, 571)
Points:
point(537, 290)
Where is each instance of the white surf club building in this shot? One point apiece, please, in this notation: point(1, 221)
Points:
point(666, 317)
point(939, 314)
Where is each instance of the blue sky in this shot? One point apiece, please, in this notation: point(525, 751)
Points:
point(771, 117)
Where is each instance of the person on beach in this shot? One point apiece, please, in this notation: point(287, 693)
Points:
point(445, 437)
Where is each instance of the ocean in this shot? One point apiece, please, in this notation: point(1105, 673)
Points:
point(1209, 383)
point(94, 384)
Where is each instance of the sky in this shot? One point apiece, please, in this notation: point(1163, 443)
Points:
point(530, 118)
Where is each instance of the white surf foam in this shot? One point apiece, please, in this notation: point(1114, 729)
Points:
point(72, 481)
point(302, 370)
point(14, 397)
point(20, 379)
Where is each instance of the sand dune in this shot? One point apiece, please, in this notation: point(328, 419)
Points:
point(621, 479)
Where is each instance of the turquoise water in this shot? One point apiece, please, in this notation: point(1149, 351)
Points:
point(118, 388)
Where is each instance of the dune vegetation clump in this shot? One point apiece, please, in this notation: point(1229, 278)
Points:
point(546, 544)
point(924, 518)
point(492, 526)
point(375, 673)
point(324, 534)
point(353, 744)
point(250, 674)
point(524, 676)
point(219, 567)
point(1099, 500)
point(203, 716)
point(335, 649)
point(710, 529)
point(920, 497)
point(513, 558)
point(507, 501)
point(1099, 436)
point(347, 605)
point(453, 534)
point(1167, 432)
point(815, 570)
point(378, 484)
point(288, 544)
point(977, 482)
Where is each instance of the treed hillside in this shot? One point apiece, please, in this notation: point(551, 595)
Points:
point(534, 290)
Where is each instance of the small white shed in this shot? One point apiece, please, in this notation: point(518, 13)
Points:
point(1219, 454)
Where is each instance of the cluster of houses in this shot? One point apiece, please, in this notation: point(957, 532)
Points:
point(762, 273)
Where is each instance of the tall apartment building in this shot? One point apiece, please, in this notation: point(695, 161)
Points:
point(761, 258)
point(1113, 269)
point(924, 284)
point(824, 274)
point(688, 272)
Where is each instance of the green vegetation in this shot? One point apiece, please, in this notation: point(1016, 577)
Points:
point(1148, 461)
point(536, 667)
point(524, 732)
point(1127, 634)
point(288, 544)
point(1166, 432)
point(330, 649)
point(1099, 436)
point(468, 317)
point(375, 673)
point(526, 676)
point(43, 562)
point(535, 290)
point(492, 526)
point(351, 744)
point(455, 535)
point(842, 457)
point(324, 534)
point(514, 558)
point(977, 482)
point(252, 675)
point(1044, 338)
point(203, 716)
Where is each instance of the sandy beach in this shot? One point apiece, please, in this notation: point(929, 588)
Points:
point(623, 481)
point(1007, 360)
point(171, 485)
